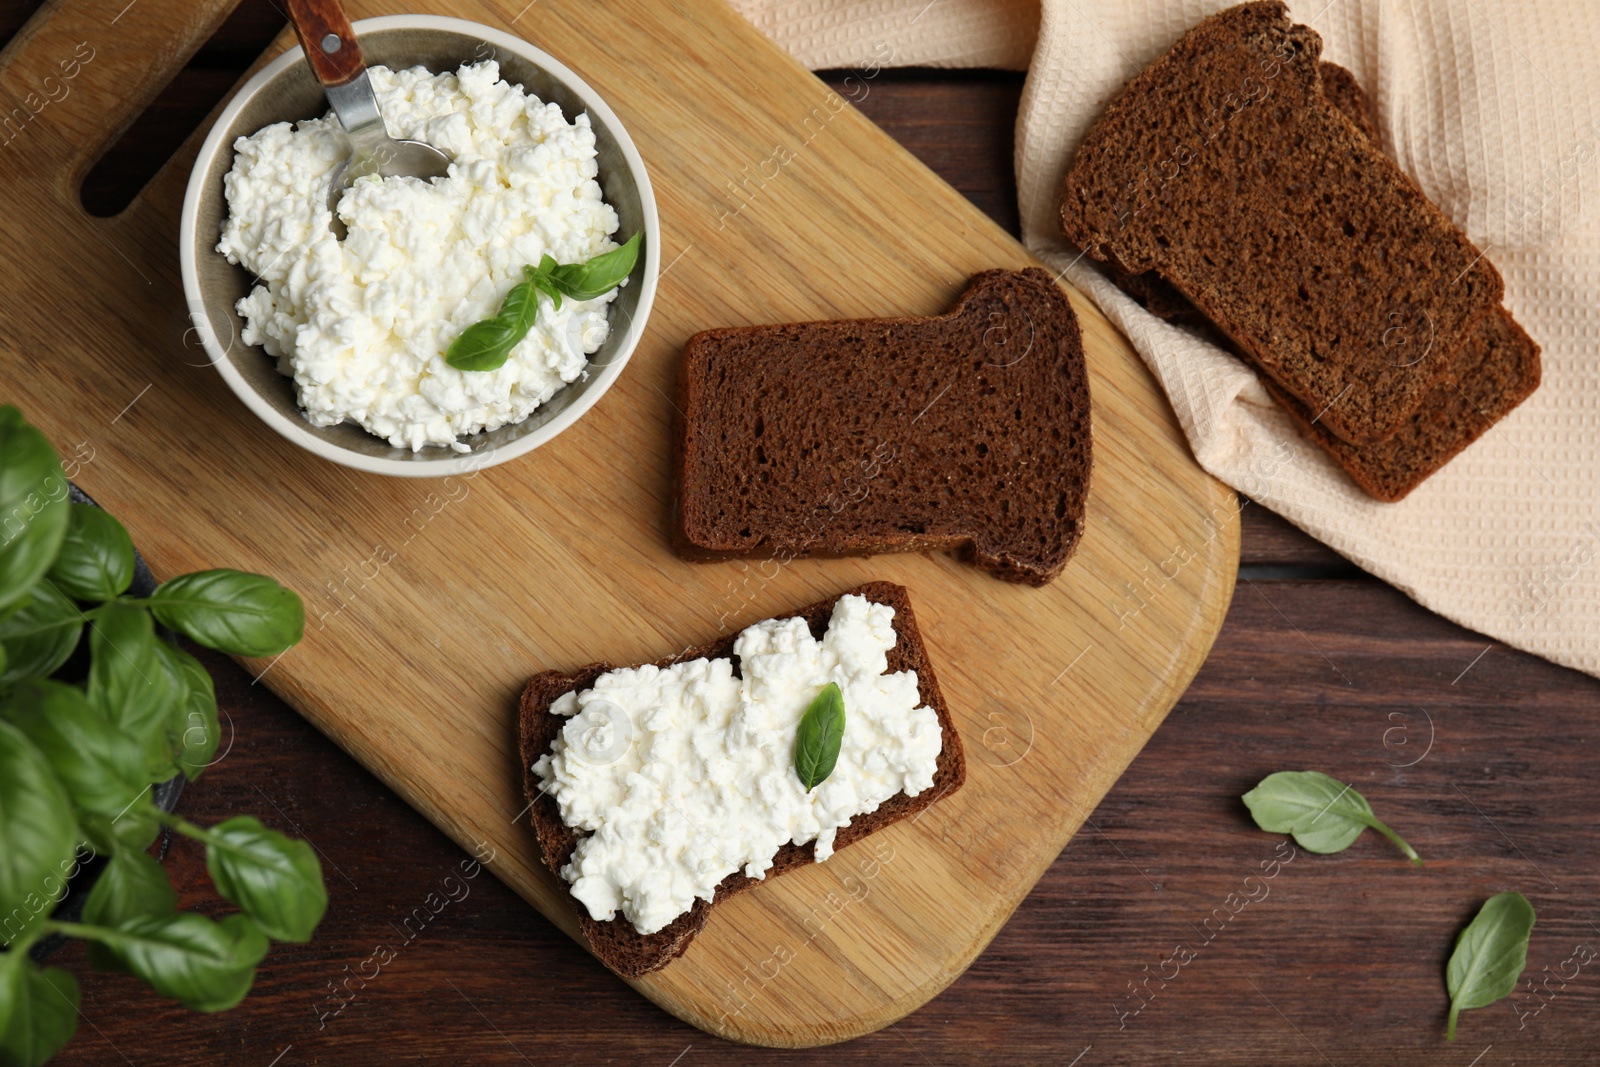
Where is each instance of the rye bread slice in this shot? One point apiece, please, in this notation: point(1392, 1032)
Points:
point(1497, 369)
point(1158, 296)
point(967, 431)
point(1223, 167)
point(615, 942)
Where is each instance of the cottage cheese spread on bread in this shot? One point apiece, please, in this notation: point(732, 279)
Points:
point(684, 775)
point(362, 325)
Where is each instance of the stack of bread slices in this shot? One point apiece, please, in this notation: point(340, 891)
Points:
point(1236, 186)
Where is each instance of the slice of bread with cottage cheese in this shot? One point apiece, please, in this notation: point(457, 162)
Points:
point(627, 771)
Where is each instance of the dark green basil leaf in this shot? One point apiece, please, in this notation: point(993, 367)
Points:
point(194, 723)
point(33, 506)
point(129, 683)
point(485, 345)
point(207, 965)
point(40, 635)
point(96, 557)
point(1490, 955)
point(816, 745)
point(276, 880)
point(43, 1015)
point(102, 767)
point(37, 834)
point(132, 884)
point(1322, 813)
point(598, 276)
point(232, 611)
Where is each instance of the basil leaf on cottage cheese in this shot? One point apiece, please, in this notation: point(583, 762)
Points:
point(363, 326)
point(816, 744)
point(598, 276)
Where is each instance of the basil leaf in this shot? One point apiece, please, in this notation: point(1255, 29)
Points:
point(207, 965)
point(37, 834)
point(132, 884)
point(194, 723)
point(486, 345)
point(1322, 813)
point(1490, 955)
point(816, 746)
point(102, 767)
point(128, 680)
point(232, 611)
point(33, 506)
point(39, 636)
point(598, 276)
point(96, 557)
point(274, 879)
point(44, 1011)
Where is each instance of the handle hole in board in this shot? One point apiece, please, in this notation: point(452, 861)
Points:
point(162, 127)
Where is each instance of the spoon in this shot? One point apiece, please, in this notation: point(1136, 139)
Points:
point(330, 47)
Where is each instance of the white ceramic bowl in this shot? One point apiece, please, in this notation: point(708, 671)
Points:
point(285, 90)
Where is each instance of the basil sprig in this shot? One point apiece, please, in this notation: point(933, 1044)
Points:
point(1322, 813)
point(486, 344)
point(77, 760)
point(1490, 955)
point(816, 744)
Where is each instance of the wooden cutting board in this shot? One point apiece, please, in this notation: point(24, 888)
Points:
point(429, 605)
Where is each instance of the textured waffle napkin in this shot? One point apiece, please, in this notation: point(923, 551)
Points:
point(1493, 106)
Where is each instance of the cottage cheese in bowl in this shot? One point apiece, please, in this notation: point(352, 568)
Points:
point(362, 325)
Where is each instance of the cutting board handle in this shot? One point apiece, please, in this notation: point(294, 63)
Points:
point(79, 72)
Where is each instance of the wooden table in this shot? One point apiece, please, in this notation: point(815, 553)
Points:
point(1484, 758)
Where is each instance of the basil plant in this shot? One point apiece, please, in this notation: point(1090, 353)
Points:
point(79, 757)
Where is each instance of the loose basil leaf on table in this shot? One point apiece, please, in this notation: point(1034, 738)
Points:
point(232, 611)
point(37, 830)
point(33, 499)
point(274, 879)
point(1490, 955)
point(821, 733)
point(40, 635)
point(43, 1011)
point(194, 717)
point(1323, 814)
point(102, 767)
point(96, 557)
point(207, 965)
point(129, 682)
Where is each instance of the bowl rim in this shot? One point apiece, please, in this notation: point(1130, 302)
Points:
point(298, 430)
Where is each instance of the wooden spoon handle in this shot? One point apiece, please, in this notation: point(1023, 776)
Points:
point(329, 42)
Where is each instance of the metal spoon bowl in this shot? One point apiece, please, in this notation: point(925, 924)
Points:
point(331, 48)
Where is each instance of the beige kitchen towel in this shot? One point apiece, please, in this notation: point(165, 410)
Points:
point(1493, 106)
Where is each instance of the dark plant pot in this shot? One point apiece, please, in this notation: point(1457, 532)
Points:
point(165, 794)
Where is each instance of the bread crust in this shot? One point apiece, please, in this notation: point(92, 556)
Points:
point(615, 942)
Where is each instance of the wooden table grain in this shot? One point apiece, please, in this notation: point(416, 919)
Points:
point(1484, 758)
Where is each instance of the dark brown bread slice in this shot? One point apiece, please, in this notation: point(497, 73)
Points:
point(1158, 296)
point(1223, 167)
point(1496, 370)
point(617, 944)
point(968, 430)
point(1340, 88)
